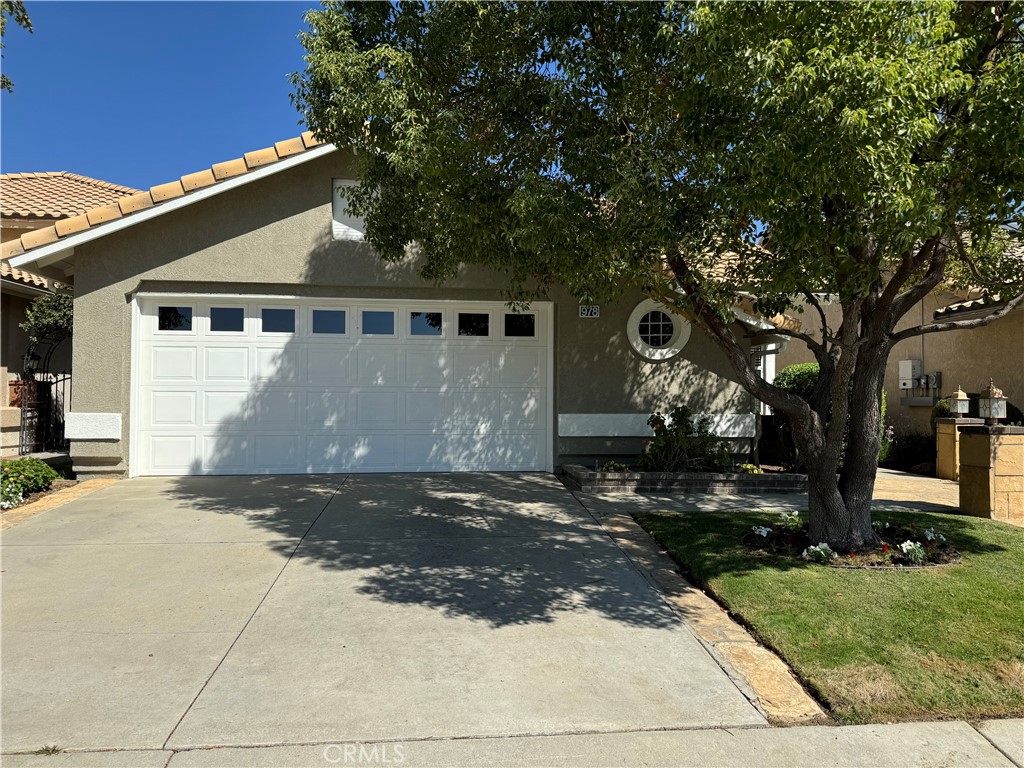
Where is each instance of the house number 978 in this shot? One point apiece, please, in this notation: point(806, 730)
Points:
point(590, 310)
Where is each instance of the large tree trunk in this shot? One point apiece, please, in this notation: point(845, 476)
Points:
point(831, 517)
point(857, 479)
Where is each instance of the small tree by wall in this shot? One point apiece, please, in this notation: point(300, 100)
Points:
point(49, 321)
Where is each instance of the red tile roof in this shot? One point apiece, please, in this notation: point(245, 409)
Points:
point(55, 194)
point(130, 201)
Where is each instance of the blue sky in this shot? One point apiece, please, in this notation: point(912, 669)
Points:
point(139, 93)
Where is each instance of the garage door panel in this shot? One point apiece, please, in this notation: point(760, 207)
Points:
point(276, 453)
point(474, 367)
point(276, 407)
point(174, 363)
point(328, 409)
point(252, 402)
point(427, 408)
point(226, 364)
point(173, 408)
point(330, 366)
point(175, 453)
point(228, 453)
point(220, 408)
point(378, 367)
point(373, 452)
point(519, 367)
point(377, 409)
point(271, 364)
point(427, 367)
point(476, 408)
point(522, 409)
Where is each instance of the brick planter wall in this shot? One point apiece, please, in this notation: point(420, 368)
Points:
point(582, 479)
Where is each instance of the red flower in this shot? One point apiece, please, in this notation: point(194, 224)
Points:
point(851, 555)
point(885, 548)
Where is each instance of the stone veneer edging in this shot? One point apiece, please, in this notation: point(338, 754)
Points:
point(587, 480)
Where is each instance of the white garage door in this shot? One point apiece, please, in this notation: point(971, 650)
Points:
point(249, 385)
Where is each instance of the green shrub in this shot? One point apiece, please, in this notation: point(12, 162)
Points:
point(614, 466)
point(684, 444)
point(749, 469)
point(800, 379)
point(20, 477)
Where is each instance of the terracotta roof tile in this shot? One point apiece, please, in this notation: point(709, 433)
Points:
point(134, 202)
point(103, 213)
point(124, 202)
point(261, 157)
point(166, 191)
point(67, 227)
point(7, 272)
point(37, 237)
point(198, 180)
point(55, 194)
point(11, 249)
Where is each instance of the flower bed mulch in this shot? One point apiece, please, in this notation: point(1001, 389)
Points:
point(894, 550)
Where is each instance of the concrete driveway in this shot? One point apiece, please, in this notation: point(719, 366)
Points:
point(193, 612)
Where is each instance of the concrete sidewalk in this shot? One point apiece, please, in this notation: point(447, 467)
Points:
point(995, 744)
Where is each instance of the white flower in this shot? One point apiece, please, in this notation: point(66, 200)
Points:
point(762, 530)
point(931, 535)
point(909, 545)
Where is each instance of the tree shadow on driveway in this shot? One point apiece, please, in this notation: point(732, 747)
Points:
point(506, 549)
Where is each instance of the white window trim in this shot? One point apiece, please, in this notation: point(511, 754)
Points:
point(490, 324)
point(277, 334)
point(342, 222)
point(193, 331)
point(208, 319)
point(680, 336)
point(348, 323)
point(394, 310)
point(407, 328)
point(510, 338)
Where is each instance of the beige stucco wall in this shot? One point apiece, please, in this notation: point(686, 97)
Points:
point(965, 358)
point(274, 236)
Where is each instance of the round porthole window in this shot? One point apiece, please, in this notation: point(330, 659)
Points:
point(655, 332)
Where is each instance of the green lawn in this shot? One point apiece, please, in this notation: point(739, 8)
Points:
point(875, 645)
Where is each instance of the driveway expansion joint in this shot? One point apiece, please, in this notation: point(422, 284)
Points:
point(255, 610)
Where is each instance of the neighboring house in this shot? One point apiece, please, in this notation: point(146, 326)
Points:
point(29, 201)
point(234, 321)
point(966, 358)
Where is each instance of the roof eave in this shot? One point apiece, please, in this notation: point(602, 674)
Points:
point(63, 247)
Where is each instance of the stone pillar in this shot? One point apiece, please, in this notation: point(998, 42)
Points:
point(992, 473)
point(947, 446)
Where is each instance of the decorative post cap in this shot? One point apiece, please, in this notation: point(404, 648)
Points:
point(959, 394)
point(992, 391)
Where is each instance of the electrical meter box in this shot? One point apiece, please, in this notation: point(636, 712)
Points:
point(910, 373)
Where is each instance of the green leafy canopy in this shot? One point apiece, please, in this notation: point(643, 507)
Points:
point(581, 143)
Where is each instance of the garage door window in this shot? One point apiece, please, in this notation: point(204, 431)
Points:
point(227, 319)
point(425, 324)
point(275, 320)
point(174, 318)
point(329, 321)
point(520, 326)
point(474, 324)
point(377, 323)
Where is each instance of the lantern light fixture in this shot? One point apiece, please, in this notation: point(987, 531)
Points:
point(992, 405)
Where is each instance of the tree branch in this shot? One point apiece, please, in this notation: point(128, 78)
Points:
point(932, 277)
point(960, 325)
point(718, 328)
